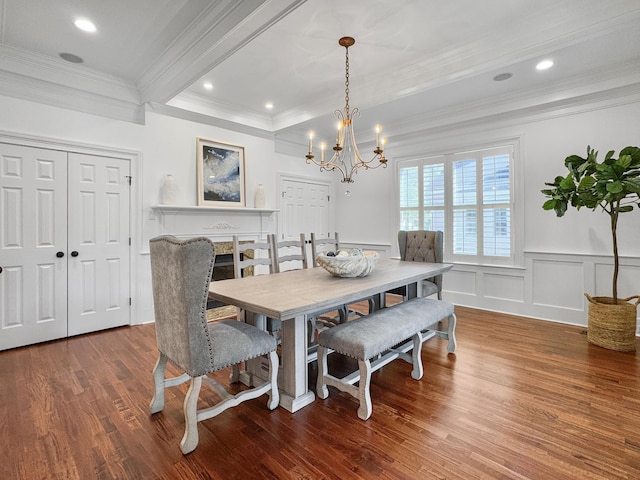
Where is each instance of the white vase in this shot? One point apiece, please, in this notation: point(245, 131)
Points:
point(168, 191)
point(259, 200)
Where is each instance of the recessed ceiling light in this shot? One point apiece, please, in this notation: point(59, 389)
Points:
point(268, 105)
point(544, 64)
point(85, 25)
point(208, 85)
point(70, 57)
point(503, 76)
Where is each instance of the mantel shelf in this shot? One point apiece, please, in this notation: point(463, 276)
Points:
point(176, 209)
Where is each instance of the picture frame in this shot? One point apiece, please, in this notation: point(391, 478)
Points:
point(220, 168)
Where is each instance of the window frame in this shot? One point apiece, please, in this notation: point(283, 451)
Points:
point(477, 153)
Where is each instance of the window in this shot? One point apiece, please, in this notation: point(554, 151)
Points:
point(466, 195)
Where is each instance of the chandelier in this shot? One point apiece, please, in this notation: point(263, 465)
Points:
point(346, 158)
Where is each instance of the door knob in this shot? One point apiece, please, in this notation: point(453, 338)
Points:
point(60, 254)
point(74, 254)
point(0, 269)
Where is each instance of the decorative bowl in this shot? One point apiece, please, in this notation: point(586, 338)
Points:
point(351, 263)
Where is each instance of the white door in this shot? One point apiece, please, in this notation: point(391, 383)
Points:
point(304, 209)
point(64, 244)
point(33, 245)
point(98, 243)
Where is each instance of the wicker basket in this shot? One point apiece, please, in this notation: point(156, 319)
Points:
point(613, 326)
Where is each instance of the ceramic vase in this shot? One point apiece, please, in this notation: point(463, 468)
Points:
point(259, 200)
point(168, 191)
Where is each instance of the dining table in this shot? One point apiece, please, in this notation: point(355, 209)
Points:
point(293, 295)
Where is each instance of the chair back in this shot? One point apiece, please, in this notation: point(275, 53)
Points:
point(251, 254)
point(323, 245)
point(286, 251)
point(422, 246)
point(180, 276)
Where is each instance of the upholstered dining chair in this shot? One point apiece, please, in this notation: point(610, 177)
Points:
point(180, 275)
point(422, 246)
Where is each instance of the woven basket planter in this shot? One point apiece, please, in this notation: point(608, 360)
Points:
point(611, 325)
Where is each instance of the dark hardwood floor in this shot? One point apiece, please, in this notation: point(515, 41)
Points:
point(520, 399)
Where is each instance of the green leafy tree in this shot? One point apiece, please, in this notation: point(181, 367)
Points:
point(612, 185)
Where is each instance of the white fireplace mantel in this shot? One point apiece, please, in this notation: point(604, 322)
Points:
point(217, 223)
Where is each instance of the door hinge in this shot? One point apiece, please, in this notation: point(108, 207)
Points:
point(128, 177)
point(129, 241)
point(129, 301)
point(328, 198)
point(284, 193)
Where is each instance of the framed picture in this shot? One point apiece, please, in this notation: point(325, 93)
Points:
point(220, 174)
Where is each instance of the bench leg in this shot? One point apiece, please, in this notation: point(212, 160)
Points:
point(321, 388)
point(416, 356)
point(364, 394)
point(451, 333)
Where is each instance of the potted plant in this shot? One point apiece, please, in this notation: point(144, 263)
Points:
point(612, 186)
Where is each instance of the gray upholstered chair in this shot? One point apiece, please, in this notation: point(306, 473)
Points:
point(180, 274)
point(422, 246)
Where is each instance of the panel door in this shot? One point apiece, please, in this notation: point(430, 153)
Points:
point(33, 232)
point(304, 209)
point(98, 243)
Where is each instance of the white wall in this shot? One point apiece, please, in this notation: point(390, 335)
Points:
point(561, 258)
point(163, 145)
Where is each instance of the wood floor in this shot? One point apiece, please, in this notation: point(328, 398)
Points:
point(520, 399)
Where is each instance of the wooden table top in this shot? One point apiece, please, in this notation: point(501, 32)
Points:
point(300, 292)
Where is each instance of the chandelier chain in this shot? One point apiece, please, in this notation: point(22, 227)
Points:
point(346, 83)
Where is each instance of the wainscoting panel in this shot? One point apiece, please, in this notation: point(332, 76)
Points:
point(558, 284)
point(503, 287)
point(628, 280)
point(458, 281)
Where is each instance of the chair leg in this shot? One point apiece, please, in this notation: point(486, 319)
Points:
point(321, 388)
point(190, 439)
point(274, 393)
point(157, 402)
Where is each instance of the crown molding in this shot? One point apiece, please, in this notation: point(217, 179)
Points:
point(215, 108)
point(196, 117)
point(226, 27)
point(58, 72)
point(521, 115)
point(488, 114)
point(53, 94)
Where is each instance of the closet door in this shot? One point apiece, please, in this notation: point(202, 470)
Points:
point(33, 245)
point(98, 243)
point(304, 208)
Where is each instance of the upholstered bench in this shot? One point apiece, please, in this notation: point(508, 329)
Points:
point(386, 334)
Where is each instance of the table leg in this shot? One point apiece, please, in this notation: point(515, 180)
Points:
point(293, 377)
point(255, 367)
